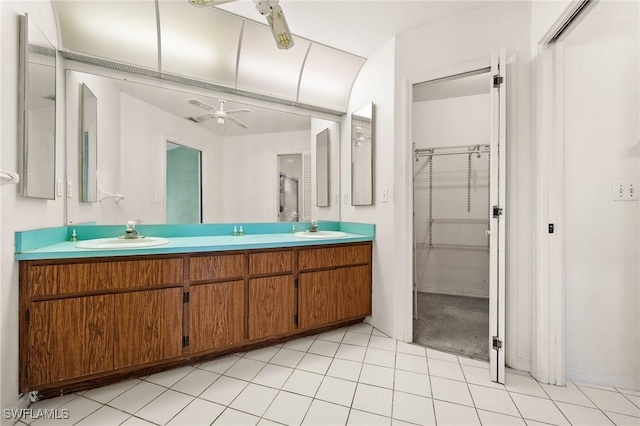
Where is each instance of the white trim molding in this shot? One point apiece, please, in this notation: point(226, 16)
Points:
point(548, 352)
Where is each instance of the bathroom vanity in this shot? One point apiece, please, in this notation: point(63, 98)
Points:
point(89, 321)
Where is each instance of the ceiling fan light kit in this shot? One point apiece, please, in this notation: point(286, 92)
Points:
point(268, 8)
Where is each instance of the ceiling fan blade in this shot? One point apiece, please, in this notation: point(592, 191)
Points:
point(200, 104)
point(279, 28)
point(201, 118)
point(233, 111)
point(207, 3)
point(237, 122)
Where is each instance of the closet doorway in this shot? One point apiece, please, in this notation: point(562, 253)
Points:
point(456, 130)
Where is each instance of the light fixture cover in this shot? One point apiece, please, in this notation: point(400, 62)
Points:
point(279, 28)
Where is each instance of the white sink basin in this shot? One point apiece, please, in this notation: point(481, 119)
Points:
point(320, 235)
point(121, 243)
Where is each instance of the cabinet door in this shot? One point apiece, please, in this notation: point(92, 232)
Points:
point(330, 296)
point(70, 338)
point(319, 298)
point(271, 306)
point(148, 326)
point(216, 315)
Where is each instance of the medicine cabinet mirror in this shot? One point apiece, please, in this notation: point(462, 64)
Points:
point(37, 112)
point(88, 143)
point(362, 146)
point(323, 150)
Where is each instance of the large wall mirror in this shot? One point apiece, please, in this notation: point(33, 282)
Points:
point(88, 143)
point(323, 151)
point(37, 112)
point(362, 147)
point(135, 120)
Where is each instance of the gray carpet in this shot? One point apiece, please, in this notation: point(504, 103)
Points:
point(454, 324)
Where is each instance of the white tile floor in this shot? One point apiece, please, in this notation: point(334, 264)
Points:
point(352, 376)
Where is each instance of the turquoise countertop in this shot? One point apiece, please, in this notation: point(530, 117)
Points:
point(53, 243)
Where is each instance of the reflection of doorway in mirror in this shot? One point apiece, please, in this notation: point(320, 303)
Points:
point(294, 187)
point(183, 184)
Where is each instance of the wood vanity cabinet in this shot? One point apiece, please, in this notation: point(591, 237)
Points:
point(334, 284)
point(89, 322)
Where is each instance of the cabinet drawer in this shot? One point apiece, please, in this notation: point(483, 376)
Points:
point(271, 262)
point(206, 268)
point(44, 280)
point(334, 256)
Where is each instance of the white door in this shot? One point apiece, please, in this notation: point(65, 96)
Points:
point(497, 230)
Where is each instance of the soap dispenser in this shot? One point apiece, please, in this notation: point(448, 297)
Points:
point(74, 236)
point(241, 231)
point(235, 231)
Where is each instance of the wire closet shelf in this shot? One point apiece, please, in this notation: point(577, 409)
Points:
point(468, 234)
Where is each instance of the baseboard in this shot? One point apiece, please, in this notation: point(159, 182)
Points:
point(451, 293)
point(603, 378)
point(21, 404)
point(522, 364)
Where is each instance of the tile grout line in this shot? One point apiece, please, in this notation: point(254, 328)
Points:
point(469, 390)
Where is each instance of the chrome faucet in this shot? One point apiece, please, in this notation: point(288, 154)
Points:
point(130, 233)
point(314, 226)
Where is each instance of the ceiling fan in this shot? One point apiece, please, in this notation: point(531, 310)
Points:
point(220, 114)
point(268, 8)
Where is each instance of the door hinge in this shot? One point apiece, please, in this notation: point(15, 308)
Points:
point(295, 319)
point(185, 297)
point(497, 212)
point(497, 80)
point(185, 341)
point(295, 283)
point(27, 316)
point(497, 343)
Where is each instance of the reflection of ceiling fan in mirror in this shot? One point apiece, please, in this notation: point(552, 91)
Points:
point(268, 8)
point(220, 114)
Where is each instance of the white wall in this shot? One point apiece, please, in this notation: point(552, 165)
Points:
point(17, 213)
point(250, 174)
point(430, 50)
point(602, 238)
point(375, 84)
point(463, 120)
point(142, 159)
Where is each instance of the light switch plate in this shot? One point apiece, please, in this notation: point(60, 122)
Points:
point(69, 189)
point(385, 195)
point(60, 188)
point(625, 190)
point(345, 198)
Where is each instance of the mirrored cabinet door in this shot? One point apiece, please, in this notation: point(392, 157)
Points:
point(362, 148)
point(88, 132)
point(37, 112)
point(323, 151)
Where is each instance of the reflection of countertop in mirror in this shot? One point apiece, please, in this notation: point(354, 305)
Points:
point(53, 243)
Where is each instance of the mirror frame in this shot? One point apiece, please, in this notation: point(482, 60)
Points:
point(88, 180)
point(323, 186)
point(24, 87)
point(361, 115)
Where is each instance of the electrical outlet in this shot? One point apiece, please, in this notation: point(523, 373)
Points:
point(385, 195)
point(337, 199)
point(69, 189)
point(625, 191)
point(345, 198)
point(158, 199)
